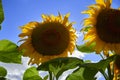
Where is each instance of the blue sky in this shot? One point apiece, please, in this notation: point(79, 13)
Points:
point(20, 12)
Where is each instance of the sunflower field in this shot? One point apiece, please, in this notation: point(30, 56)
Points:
point(49, 43)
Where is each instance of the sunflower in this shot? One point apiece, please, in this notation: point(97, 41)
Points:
point(102, 27)
point(53, 37)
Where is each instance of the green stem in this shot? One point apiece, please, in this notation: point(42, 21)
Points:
point(50, 75)
point(101, 56)
point(109, 73)
point(104, 74)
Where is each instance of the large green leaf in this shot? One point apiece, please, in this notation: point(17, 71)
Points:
point(83, 73)
point(3, 71)
point(31, 74)
point(59, 65)
point(1, 13)
point(101, 65)
point(86, 49)
point(87, 71)
point(9, 52)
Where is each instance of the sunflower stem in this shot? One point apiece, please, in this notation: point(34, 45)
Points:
point(105, 75)
point(50, 75)
point(109, 73)
point(101, 56)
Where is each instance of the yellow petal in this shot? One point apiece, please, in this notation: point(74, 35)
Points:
point(52, 17)
point(46, 18)
point(91, 33)
point(43, 16)
point(89, 12)
point(89, 21)
point(108, 3)
point(93, 7)
point(65, 20)
point(100, 2)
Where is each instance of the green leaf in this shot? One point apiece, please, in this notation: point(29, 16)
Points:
point(101, 65)
point(0, 27)
point(86, 49)
point(1, 12)
point(3, 71)
point(2, 78)
point(31, 74)
point(46, 77)
point(83, 73)
point(87, 71)
point(59, 65)
point(9, 52)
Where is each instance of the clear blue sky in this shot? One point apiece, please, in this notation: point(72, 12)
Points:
point(20, 12)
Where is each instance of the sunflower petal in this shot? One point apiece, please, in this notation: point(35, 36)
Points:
point(108, 3)
point(65, 20)
point(100, 2)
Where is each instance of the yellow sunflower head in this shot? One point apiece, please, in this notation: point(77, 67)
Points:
point(53, 37)
point(104, 27)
